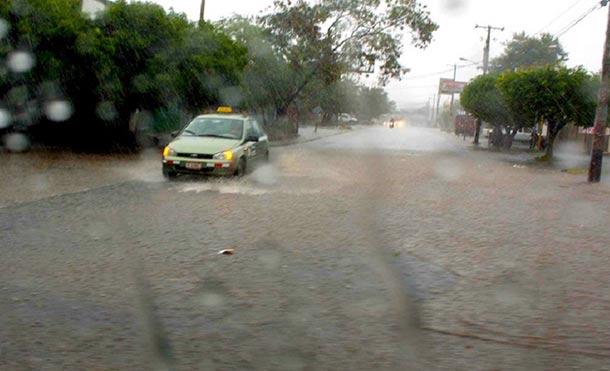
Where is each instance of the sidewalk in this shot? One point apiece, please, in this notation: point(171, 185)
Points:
point(307, 134)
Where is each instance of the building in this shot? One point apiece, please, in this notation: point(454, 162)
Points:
point(93, 7)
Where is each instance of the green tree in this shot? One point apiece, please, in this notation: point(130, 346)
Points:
point(133, 57)
point(267, 78)
point(525, 51)
point(127, 49)
point(555, 96)
point(373, 102)
point(482, 99)
point(208, 68)
point(327, 39)
point(46, 30)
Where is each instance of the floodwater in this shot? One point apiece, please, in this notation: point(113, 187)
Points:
point(378, 248)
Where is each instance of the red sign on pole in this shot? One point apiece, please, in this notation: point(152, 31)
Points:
point(448, 86)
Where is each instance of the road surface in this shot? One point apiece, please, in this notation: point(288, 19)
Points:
point(377, 249)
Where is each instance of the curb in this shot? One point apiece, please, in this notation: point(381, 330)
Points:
point(297, 141)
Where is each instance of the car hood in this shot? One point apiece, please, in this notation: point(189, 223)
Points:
point(203, 145)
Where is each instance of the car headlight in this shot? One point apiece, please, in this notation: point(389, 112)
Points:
point(226, 155)
point(168, 152)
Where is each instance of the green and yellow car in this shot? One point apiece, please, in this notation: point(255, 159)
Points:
point(222, 144)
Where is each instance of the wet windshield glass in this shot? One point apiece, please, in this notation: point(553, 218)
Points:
point(304, 185)
point(215, 127)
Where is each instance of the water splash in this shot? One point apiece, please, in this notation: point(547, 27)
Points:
point(266, 175)
point(226, 188)
point(244, 188)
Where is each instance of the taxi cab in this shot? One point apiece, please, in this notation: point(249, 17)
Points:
point(221, 144)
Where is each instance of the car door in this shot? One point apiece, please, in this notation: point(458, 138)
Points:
point(252, 148)
point(263, 141)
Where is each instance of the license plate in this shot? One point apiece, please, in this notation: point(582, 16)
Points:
point(194, 165)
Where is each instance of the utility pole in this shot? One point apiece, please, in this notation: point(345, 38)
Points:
point(202, 11)
point(432, 110)
point(477, 133)
point(601, 115)
point(452, 94)
point(438, 107)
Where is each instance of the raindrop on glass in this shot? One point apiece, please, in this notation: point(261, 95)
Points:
point(20, 61)
point(106, 111)
point(58, 110)
point(4, 27)
point(211, 299)
point(270, 259)
point(455, 5)
point(5, 118)
point(448, 170)
point(231, 96)
point(18, 95)
point(17, 142)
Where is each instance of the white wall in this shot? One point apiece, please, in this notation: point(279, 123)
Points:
point(92, 7)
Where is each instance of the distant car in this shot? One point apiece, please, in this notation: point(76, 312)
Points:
point(346, 118)
point(222, 144)
point(524, 135)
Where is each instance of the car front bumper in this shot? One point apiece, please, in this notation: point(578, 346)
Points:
point(199, 167)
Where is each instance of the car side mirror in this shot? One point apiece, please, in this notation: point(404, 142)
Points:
point(175, 133)
point(252, 138)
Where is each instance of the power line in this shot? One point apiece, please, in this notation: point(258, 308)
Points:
point(405, 88)
point(432, 74)
point(559, 16)
point(578, 20)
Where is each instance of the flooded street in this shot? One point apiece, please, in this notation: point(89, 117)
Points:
point(375, 249)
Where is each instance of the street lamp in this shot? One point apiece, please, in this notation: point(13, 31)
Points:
point(470, 61)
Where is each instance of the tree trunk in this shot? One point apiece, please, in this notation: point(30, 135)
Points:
point(477, 132)
point(497, 137)
point(550, 144)
point(509, 139)
point(553, 131)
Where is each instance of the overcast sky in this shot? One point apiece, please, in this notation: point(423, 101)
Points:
point(457, 36)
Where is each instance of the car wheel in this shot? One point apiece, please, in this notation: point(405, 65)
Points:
point(241, 168)
point(169, 174)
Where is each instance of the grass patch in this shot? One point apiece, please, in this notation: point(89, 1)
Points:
point(576, 171)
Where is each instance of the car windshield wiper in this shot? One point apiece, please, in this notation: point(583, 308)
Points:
point(189, 132)
point(215, 136)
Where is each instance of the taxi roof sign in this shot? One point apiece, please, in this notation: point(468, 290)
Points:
point(224, 109)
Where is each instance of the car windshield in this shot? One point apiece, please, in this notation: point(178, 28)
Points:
point(215, 127)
